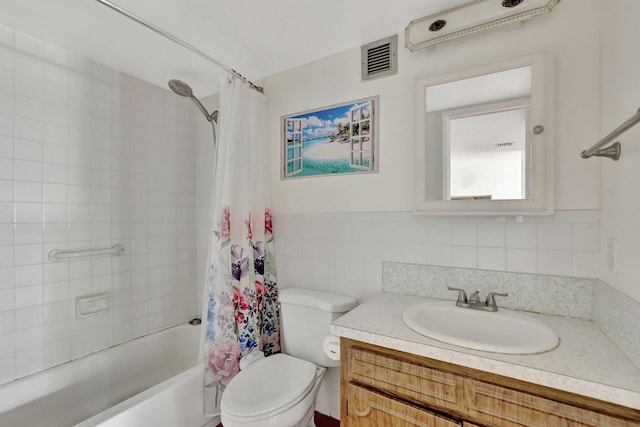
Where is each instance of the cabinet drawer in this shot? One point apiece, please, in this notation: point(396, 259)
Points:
point(369, 409)
point(502, 407)
point(406, 380)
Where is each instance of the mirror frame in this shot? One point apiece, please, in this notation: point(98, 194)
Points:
point(542, 103)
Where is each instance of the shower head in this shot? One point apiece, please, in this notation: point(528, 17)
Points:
point(181, 88)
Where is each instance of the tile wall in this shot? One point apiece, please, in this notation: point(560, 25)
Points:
point(343, 252)
point(89, 157)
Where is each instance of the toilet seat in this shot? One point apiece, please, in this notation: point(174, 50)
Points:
point(268, 387)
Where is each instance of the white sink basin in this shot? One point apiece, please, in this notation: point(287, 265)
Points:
point(503, 331)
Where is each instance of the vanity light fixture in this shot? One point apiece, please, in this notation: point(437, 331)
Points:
point(470, 18)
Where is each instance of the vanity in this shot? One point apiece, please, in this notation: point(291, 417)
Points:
point(393, 376)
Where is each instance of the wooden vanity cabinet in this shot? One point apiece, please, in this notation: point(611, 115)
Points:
point(383, 387)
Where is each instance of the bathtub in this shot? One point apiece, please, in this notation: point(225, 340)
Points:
point(151, 381)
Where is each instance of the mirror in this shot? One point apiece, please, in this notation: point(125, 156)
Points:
point(484, 141)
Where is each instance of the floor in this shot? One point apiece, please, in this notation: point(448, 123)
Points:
point(325, 421)
point(321, 421)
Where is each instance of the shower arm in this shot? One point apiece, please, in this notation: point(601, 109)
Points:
point(209, 117)
point(179, 42)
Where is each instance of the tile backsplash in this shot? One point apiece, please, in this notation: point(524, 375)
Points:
point(89, 157)
point(344, 252)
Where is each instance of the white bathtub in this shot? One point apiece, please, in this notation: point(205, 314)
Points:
point(151, 381)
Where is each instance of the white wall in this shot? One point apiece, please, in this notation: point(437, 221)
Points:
point(89, 157)
point(333, 233)
point(569, 29)
point(620, 31)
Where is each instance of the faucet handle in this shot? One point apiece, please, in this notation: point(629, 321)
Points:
point(462, 295)
point(475, 297)
point(491, 300)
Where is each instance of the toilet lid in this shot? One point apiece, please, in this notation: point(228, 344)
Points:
point(270, 385)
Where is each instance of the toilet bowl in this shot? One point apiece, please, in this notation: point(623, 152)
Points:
point(280, 390)
point(276, 391)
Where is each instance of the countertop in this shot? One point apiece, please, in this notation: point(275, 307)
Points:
point(586, 362)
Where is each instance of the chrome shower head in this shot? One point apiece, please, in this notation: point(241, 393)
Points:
point(181, 88)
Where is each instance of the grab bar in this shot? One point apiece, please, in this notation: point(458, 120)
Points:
point(612, 151)
point(56, 255)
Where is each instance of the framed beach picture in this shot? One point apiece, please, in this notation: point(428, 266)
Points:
point(340, 139)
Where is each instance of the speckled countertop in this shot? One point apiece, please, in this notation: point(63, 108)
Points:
point(586, 362)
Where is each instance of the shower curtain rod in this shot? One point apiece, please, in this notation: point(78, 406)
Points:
point(180, 42)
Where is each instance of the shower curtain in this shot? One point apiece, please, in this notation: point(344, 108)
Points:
point(242, 309)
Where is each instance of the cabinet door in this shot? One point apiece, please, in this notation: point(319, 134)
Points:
point(503, 407)
point(369, 409)
point(406, 380)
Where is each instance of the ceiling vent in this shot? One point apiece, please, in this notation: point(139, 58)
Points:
point(380, 58)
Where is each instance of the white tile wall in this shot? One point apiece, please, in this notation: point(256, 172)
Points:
point(343, 252)
point(89, 157)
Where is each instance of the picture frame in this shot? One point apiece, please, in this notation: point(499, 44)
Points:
point(335, 140)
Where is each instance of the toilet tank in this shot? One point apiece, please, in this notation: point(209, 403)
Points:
point(306, 315)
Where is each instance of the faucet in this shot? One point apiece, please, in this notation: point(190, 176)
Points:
point(474, 302)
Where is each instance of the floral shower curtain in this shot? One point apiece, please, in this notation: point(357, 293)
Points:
point(242, 310)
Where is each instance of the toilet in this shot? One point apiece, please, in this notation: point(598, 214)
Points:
point(280, 390)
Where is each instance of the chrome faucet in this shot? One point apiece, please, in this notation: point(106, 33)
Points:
point(474, 302)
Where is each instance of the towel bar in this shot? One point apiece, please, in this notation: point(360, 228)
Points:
point(56, 255)
point(612, 151)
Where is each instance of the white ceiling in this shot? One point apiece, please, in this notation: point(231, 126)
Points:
point(256, 37)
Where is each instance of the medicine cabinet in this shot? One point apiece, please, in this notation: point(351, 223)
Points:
point(484, 138)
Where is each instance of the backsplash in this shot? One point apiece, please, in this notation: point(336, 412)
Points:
point(556, 295)
point(343, 252)
point(619, 317)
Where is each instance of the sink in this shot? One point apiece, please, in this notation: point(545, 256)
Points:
point(503, 331)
